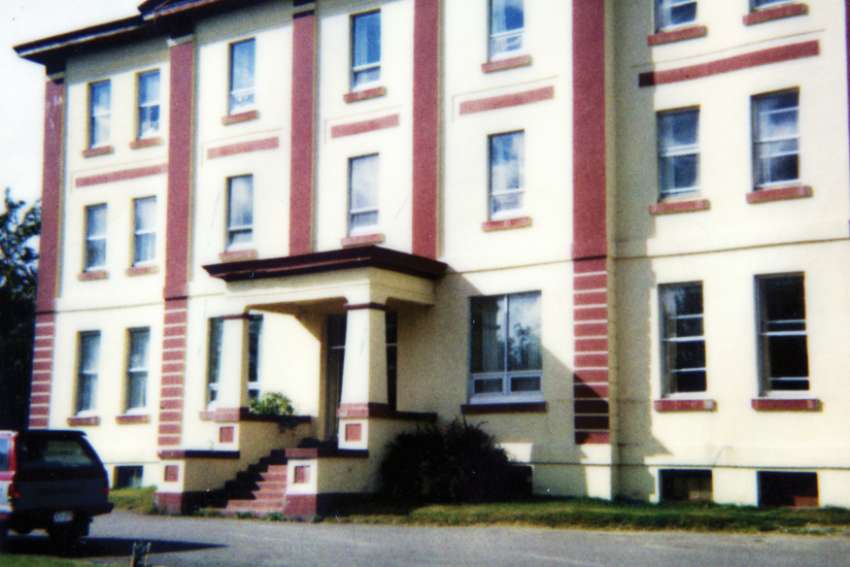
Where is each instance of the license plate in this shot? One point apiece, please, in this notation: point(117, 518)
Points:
point(63, 517)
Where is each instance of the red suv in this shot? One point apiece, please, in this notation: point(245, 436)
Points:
point(51, 480)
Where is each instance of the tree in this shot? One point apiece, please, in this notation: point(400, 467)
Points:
point(19, 224)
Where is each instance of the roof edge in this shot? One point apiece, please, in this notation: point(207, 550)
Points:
point(39, 50)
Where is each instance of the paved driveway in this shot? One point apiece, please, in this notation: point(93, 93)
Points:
point(179, 542)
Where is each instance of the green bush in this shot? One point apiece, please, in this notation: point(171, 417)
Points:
point(273, 404)
point(456, 463)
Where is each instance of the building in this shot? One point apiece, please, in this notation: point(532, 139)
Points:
point(614, 232)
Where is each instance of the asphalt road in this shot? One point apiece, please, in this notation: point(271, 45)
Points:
point(179, 542)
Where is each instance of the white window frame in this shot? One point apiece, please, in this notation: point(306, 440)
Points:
point(375, 191)
point(671, 151)
point(140, 134)
point(758, 139)
point(494, 38)
point(140, 232)
point(493, 194)
point(215, 340)
point(137, 372)
point(663, 10)
point(359, 69)
point(235, 94)
point(87, 375)
point(763, 334)
point(669, 383)
point(233, 229)
point(88, 266)
point(95, 116)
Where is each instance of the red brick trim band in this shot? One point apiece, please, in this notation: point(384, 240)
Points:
point(240, 117)
point(142, 270)
point(302, 134)
point(505, 224)
point(123, 175)
point(235, 415)
point(669, 405)
point(376, 410)
point(361, 306)
point(146, 143)
point(779, 194)
point(362, 240)
point(132, 419)
point(42, 378)
point(506, 101)
point(365, 94)
point(674, 207)
point(93, 275)
point(354, 128)
point(729, 64)
point(592, 438)
point(505, 64)
point(426, 126)
point(484, 409)
point(243, 148)
point(682, 34)
point(238, 255)
point(779, 404)
point(91, 421)
point(98, 151)
point(777, 13)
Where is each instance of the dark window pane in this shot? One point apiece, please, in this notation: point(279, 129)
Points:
point(525, 384)
point(488, 386)
point(788, 356)
point(783, 298)
point(39, 453)
point(689, 381)
point(488, 334)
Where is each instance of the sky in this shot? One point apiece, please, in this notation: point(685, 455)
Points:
point(22, 82)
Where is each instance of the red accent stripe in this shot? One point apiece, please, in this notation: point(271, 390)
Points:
point(729, 64)
point(808, 404)
point(672, 207)
point(41, 389)
point(172, 392)
point(585, 345)
point(591, 330)
point(39, 399)
point(302, 143)
point(168, 440)
point(173, 367)
point(171, 404)
point(174, 355)
point(506, 224)
point(365, 94)
point(590, 376)
point(54, 121)
point(779, 194)
point(362, 240)
point(506, 101)
point(175, 331)
point(592, 438)
point(176, 303)
point(692, 32)
point(426, 120)
point(591, 314)
point(591, 360)
point(779, 12)
point(39, 410)
point(170, 417)
point(684, 405)
point(505, 64)
point(38, 422)
point(172, 380)
point(590, 265)
point(592, 298)
point(123, 175)
point(174, 343)
point(599, 281)
point(170, 428)
point(243, 148)
point(364, 126)
point(175, 317)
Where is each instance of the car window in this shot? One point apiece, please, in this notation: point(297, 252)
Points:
point(5, 445)
point(42, 453)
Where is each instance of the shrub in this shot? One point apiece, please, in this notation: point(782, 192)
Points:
point(273, 403)
point(456, 463)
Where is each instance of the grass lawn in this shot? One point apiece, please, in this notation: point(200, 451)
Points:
point(589, 513)
point(133, 499)
point(39, 561)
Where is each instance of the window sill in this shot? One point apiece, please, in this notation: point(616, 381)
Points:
point(362, 240)
point(133, 271)
point(506, 224)
point(766, 195)
point(240, 117)
point(238, 255)
point(672, 36)
point(142, 143)
point(676, 207)
point(520, 407)
point(505, 64)
point(777, 13)
point(671, 405)
point(128, 419)
point(98, 151)
point(79, 421)
point(786, 404)
point(365, 94)
point(93, 275)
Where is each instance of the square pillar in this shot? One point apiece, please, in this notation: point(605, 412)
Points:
point(232, 385)
point(364, 377)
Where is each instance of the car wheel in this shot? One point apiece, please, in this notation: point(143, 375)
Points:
point(66, 537)
point(4, 533)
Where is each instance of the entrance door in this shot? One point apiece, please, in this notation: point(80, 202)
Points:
point(335, 341)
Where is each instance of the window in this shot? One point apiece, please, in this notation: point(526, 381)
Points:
point(137, 370)
point(48, 453)
point(776, 142)
point(507, 21)
point(240, 211)
point(782, 333)
point(100, 100)
point(365, 49)
point(678, 152)
point(679, 485)
point(756, 4)
point(682, 340)
point(506, 358)
point(241, 96)
point(95, 255)
point(788, 488)
point(255, 328)
point(87, 373)
point(144, 230)
point(362, 194)
point(148, 90)
point(672, 13)
point(214, 358)
point(507, 174)
point(128, 476)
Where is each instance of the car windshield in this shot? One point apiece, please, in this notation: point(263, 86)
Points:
point(44, 453)
point(5, 444)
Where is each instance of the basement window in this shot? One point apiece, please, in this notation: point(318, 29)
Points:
point(686, 485)
point(794, 489)
point(128, 476)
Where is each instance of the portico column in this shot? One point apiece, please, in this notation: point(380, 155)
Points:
point(232, 386)
point(364, 378)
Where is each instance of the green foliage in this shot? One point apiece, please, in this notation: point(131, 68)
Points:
point(18, 270)
point(133, 499)
point(272, 404)
point(456, 463)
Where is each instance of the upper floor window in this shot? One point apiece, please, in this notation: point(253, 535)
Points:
point(100, 102)
point(682, 340)
point(782, 332)
point(362, 194)
point(506, 348)
point(673, 13)
point(87, 370)
point(240, 211)
point(255, 330)
point(365, 49)
point(241, 96)
point(95, 253)
point(148, 90)
point(137, 370)
point(507, 23)
point(678, 152)
point(756, 4)
point(144, 230)
point(214, 358)
point(776, 140)
point(507, 174)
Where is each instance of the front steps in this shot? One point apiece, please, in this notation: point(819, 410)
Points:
point(259, 490)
